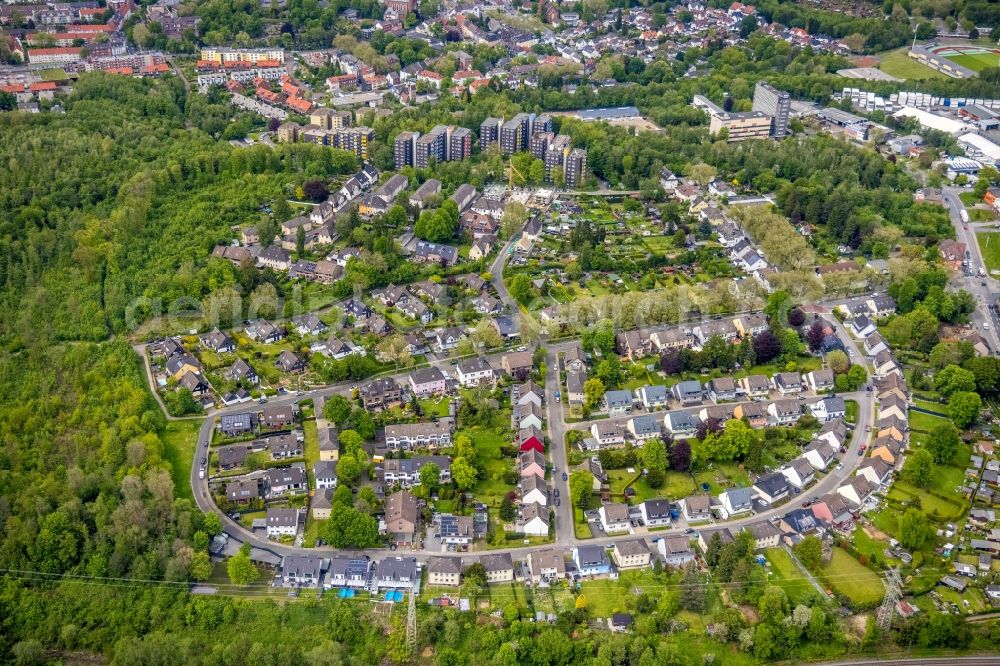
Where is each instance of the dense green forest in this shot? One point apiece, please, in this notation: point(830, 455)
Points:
point(129, 209)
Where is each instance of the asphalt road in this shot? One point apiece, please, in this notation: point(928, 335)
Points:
point(920, 661)
point(984, 295)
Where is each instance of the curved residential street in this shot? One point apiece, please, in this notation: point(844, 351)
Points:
point(557, 428)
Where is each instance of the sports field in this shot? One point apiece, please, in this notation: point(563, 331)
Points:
point(975, 58)
point(898, 64)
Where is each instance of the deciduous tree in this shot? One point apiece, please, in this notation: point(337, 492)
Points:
point(581, 485)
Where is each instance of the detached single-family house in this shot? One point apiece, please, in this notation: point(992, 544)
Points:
point(614, 518)
point(288, 361)
point(218, 342)
point(591, 560)
point(721, 389)
point(517, 364)
point(676, 551)
point(475, 371)
point(735, 501)
point(643, 427)
point(401, 517)
point(784, 412)
point(772, 487)
point(618, 403)
point(828, 409)
point(444, 571)
point(696, 507)
point(655, 512)
point(457, 530)
point(499, 567)
point(653, 396)
point(680, 424)
point(788, 383)
point(631, 554)
point(834, 432)
point(688, 392)
point(241, 371)
point(574, 387)
point(820, 380)
point(546, 565)
point(608, 433)
point(427, 381)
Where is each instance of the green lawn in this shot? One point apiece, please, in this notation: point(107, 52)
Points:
point(865, 544)
point(605, 596)
point(720, 477)
point(924, 422)
point(435, 407)
point(990, 249)
point(968, 198)
point(897, 63)
point(936, 508)
point(976, 61)
point(179, 438)
point(851, 409)
point(851, 579)
point(981, 215)
point(786, 575)
point(677, 485)
point(54, 74)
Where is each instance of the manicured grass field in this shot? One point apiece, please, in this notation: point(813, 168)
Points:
point(677, 485)
point(433, 407)
point(787, 576)
point(54, 74)
point(976, 61)
point(924, 422)
point(179, 439)
point(851, 411)
point(851, 579)
point(897, 63)
point(989, 246)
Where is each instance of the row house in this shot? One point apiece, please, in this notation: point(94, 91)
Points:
point(407, 436)
point(406, 472)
